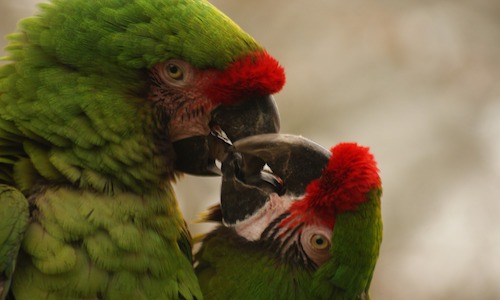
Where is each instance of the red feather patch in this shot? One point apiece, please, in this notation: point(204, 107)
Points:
point(350, 174)
point(255, 74)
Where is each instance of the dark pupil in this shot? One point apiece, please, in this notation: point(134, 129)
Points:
point(173, 69)
point(319, 241)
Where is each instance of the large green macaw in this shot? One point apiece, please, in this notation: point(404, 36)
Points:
point(102, 104)
point(311, 229)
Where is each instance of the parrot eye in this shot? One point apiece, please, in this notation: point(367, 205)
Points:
point(316, 243)
point(174, 71)
point(319, 241)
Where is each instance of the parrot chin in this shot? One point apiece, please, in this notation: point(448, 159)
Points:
point(247, 186)
point(197, 155)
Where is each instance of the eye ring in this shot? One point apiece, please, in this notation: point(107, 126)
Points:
point(319, 241)
point(174, 71)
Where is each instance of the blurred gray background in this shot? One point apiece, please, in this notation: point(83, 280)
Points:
point(418, 82)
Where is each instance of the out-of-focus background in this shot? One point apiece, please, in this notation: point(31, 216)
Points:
point(418, 82)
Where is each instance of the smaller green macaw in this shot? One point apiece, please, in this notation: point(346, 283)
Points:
point(308, 228)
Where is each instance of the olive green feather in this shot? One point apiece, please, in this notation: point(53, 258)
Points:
point(14, 215)
point(76, 86)
point(81, 141)
point(231, 267)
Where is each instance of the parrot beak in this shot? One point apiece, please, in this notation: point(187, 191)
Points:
point(242, 195)
point(258, 115)
point(197, 155)
point(294, 162)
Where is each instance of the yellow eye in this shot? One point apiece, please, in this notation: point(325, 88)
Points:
point(319, 242)
point(174, 71)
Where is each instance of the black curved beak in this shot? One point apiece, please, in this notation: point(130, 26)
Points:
point(229, 123)
point(294, 162)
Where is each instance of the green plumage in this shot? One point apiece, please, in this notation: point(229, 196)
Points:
point(14, 219)
point(356, 240)
point(231, 267)
point(86, 245)
point(79, 139)
point(74, 97)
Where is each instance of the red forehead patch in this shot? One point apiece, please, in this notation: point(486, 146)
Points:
point(350, 174)
point(255, 74)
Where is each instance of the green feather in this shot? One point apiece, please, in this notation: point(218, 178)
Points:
point(356, 241)
point(79, 138)
point(123, 242)
point(13, 223)
point(78, 83)
point(231, 267)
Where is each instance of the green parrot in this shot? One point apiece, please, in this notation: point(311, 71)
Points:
point(102, 105)
point(309, 227)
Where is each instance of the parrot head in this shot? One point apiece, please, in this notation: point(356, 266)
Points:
point(208, 108)
point(310, 210)
point(129, 93)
